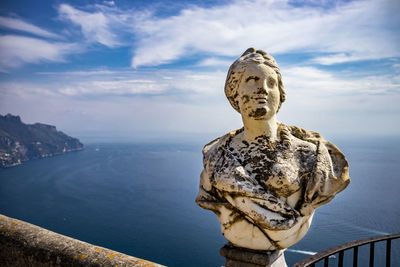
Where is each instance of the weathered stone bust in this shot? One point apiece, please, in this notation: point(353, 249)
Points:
point(265, 180)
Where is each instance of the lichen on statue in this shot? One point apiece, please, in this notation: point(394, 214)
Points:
point(265, 180)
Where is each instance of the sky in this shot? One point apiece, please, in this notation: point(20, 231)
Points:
point(155, 68)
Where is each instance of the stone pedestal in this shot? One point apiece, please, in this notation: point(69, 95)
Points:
point(241, 257)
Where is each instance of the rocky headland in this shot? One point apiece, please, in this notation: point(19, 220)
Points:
point(20, 142)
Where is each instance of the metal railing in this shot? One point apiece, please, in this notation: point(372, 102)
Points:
point(324, 255)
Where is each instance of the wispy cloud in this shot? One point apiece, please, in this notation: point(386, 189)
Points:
point(347, 31)
point(16, 50)
point(195, 101)
point(213, 61)
point(310, 80)
point(103, 83)
point(95, 26)
point(20, 25)
point(300, 82)
point(120, 87)
point(98, 95)
point(84, 73)
point(334, 33)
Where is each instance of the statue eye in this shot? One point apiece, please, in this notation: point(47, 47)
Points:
point(271, 82)
point(255, 78)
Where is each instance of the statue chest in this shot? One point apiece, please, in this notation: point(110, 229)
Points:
point(280, 171)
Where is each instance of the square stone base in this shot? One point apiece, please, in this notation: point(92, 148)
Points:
point(242, 257)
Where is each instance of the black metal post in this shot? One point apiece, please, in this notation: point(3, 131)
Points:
point(324, 255)
point(341, 258)
point(371, 254)
point(388, 249)
point(355, 257)
point(326, 261)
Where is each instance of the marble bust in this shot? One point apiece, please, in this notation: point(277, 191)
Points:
point(265, 180)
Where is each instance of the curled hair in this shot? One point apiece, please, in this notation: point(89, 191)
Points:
point(235, 74)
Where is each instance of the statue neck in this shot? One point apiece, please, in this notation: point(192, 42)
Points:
point(255, 128)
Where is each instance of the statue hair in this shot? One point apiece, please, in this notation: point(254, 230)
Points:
point(235, 74)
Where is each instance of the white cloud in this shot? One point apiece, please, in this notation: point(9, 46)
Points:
point(349, 31)
point(343, 32)
point(158, 113)
point(195, 84)
point(20, 25)
point(96, 27)
point(188, 84)
point(110, 3)
point(339, 103)
point(16, 50)
point(85, 73)
point(120, 87)
point(310, 80)
point(212, 61)
point(194, 101)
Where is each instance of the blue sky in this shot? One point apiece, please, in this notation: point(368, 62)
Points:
point(159, 67)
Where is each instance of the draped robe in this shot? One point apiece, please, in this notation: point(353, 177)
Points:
point(271, 209)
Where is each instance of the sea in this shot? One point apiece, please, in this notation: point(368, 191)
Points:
point(138, 197)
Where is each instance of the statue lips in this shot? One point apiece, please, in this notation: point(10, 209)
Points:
point(261, 99)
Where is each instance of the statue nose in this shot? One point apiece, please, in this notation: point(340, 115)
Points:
point(263, 89)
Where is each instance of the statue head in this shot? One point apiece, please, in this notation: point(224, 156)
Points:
point(235, 77)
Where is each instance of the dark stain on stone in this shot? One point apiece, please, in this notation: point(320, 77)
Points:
point(258, 113)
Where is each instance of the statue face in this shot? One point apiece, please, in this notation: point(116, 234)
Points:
point(258, 92)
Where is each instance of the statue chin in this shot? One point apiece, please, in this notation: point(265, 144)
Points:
point(258, 112)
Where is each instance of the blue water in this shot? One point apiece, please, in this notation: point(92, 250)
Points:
point(138, 198)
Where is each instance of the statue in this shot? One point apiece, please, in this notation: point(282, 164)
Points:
point(265, 180)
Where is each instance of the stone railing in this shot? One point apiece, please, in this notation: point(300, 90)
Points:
point(24, 244)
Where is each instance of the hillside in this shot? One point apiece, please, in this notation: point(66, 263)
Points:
point(20, 142)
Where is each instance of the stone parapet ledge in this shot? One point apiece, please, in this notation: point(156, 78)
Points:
point(24, 244)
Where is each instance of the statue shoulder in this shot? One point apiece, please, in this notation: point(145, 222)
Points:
point(298, 136)
point(211, 145)
point(298, 139)
point(325, 150)
point(219, 143)
point(303, 134)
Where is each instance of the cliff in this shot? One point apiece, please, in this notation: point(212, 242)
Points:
point(20, 142)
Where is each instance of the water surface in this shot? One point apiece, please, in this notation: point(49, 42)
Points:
point(138, 198)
